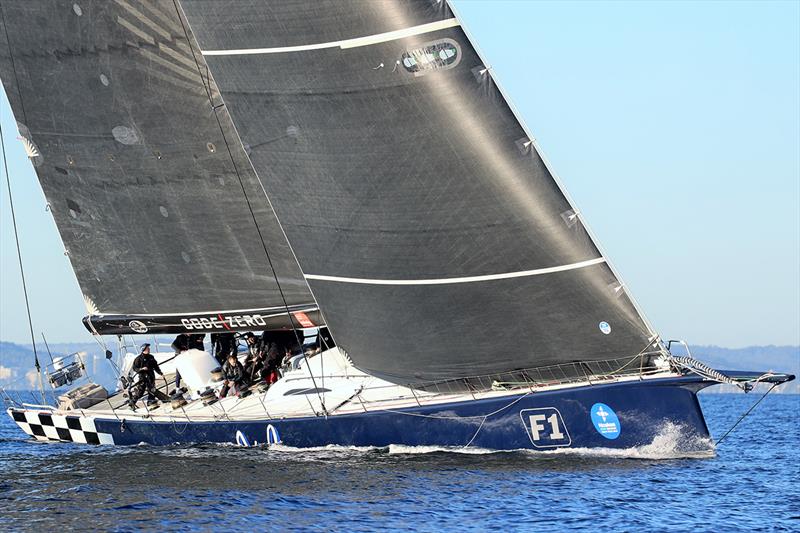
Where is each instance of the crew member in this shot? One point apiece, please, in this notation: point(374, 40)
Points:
point(256, 368)
point(234, 376)
point(197, 341)
point(253, 345)
point(223, 344)
point(181, 343)
point(256, 358)
point(275, 354)
point(146, 367)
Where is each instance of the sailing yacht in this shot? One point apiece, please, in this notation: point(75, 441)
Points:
point(346, 167)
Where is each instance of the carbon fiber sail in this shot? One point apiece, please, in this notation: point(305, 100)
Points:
point(164, 221)
point(432, 234)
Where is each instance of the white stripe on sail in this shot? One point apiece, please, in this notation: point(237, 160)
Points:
point(468, 279)
point(347, 43)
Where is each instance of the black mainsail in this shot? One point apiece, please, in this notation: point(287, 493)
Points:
point(431, 232)
point(165, 223)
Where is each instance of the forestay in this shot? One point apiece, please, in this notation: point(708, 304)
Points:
point(160, 212)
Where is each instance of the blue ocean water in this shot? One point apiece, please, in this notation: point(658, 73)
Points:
point(748, 483)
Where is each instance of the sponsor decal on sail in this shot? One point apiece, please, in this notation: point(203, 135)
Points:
point(276, 318)
point(227, 322)
point(303, 319)
point(138, 326)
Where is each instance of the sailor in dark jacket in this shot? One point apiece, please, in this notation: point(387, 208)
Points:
point(223, 345)
point(253, 344)
point(196, 341)
point(234, 375)
point(181, 343)
point(256, 358)
point(146, 366)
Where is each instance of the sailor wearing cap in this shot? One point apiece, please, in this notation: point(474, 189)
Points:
point(252, 344)
point(146, 366)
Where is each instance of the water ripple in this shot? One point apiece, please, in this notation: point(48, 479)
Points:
point(747, 483)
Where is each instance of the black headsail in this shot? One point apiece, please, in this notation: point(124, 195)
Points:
point(166, 225)
point(432, 234)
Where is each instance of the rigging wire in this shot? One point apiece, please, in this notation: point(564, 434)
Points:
point(48, 348)
point(95, 334)
point(745, 414)
point(21, 268)
point(706, 372)
point(247, 201)
point(25, 118)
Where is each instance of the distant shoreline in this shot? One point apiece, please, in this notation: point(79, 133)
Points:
point(16, 361)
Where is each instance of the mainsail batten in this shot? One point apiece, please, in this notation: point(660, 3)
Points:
point(348, 43)
point(448, 281)
point(397, 165)
point(150, 195)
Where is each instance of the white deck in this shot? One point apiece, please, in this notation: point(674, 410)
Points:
point(347, 391)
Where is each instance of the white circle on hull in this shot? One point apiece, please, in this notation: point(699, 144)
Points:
point(241, 440)
point(272, 435)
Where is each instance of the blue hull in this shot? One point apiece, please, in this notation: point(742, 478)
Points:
point(620, 415)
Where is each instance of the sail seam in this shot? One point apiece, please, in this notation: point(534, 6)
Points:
point(467, 279)
point(347, 43)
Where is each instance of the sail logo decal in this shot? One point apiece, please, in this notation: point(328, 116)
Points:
point(605, 421)
point(227, 322)
point(436, 55)
point(545, 427)
point(303, 319)
point(138, 326)
point(605, 327)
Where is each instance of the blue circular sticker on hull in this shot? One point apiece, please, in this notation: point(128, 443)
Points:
point(605, 421)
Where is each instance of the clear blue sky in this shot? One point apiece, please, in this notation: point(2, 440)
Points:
point(675, 127)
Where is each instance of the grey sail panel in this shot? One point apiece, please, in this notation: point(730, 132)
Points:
point(441, 332)
point(434, 238)
point(150, 189)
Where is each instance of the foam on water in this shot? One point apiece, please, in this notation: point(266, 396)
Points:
point(334, 448)
point(399, 449)
point(671, 442)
